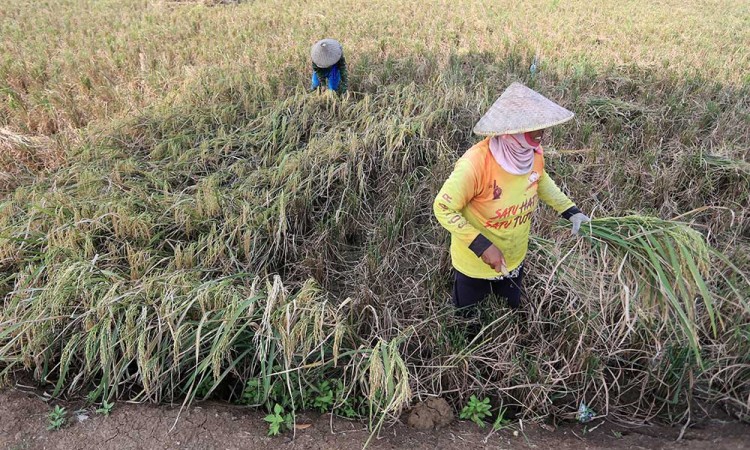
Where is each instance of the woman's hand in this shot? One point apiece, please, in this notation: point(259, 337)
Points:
point(578, 219)
point(494, 258)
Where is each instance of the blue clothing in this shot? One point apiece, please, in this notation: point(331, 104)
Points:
point(315, 81)
point(334, 78)
point(331, 75)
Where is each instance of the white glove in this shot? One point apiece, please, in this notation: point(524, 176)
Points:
point(577, 219)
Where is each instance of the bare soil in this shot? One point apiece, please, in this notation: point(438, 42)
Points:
point(23, 425)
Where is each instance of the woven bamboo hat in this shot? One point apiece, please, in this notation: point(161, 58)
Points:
point(519, 110)
point(326, 52)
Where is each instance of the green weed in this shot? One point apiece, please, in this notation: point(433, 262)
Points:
point(106, 408)
point(279, 421)
point(323, 396)
point(500, 421)
point(57, 418)
point(252, 394)
point(476, 410)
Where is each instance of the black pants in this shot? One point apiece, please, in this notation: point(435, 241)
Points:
point(469, 291)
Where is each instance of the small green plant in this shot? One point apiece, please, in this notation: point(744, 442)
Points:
point(617, 434)
point(476, 410)
point(346, 402)
point(253, 392)
point(280, 394)
point(106, 408)
point(204, 388)
point(347, 409)
point(57, 418)
point(352, 407)
point(501, 421)
point(323, 397)
point(279, 420)
point(456, 336)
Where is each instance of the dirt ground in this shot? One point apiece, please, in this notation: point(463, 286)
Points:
point(23, 425)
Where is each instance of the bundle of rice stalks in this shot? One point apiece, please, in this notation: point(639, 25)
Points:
point(668, 264)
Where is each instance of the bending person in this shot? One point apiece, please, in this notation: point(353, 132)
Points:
point(329, 66)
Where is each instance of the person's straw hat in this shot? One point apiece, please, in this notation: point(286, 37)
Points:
point(326, 52)
point(519, 110)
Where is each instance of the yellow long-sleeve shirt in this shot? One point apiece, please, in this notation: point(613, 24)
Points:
point(482, 204)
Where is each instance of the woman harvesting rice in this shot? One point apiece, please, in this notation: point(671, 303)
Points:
point(329, 66)
point(488, 200)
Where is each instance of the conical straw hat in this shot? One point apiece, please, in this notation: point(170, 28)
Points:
point(326, 52)
point(519, 110)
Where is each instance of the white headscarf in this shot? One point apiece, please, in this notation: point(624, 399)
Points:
point(514, 152)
